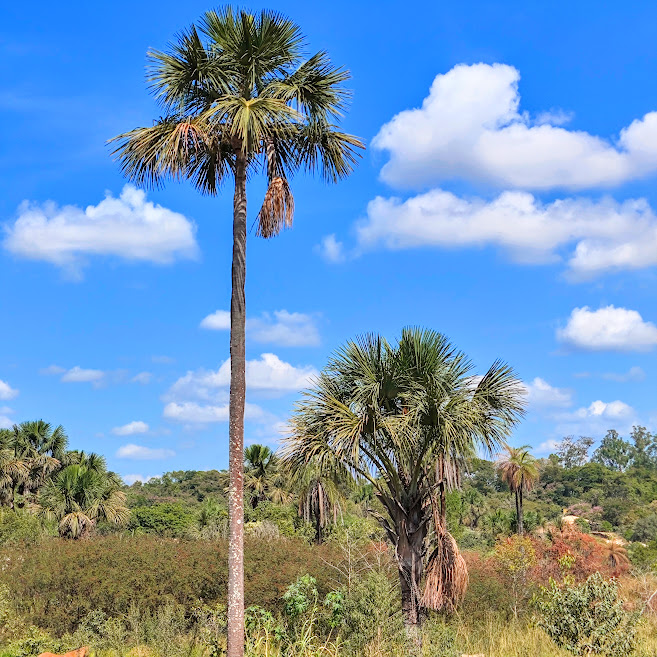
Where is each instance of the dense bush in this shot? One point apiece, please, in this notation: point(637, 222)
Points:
point(587, 618)
point(56, 584)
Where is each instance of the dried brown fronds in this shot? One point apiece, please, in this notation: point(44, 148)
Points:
point(277, 211)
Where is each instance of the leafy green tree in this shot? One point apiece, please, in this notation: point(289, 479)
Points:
point(573, 451)
point(613, 452)
point(80, 495)
point(519, 471)
point(644, 448)
point(241, 96)
point(403, 417)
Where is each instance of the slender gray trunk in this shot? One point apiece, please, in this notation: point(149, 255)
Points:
point(235, 646)
point(519, 511)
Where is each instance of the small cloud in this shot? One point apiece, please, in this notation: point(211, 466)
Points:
point(131, 428)
point(52, 370)
point(141, 453)
point(547, 447)
point(633, 374)
point(608, 329)
point(82, 375)
point(217, 321)
point(130, 479)
point(163, 360)
point(143, 378)
point(6, 391)
point(331, 250)
point(554, 117)
point(541, 394)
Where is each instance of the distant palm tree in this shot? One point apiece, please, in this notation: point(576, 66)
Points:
point(80, 495)
point(240, 96)
point(259, 468)
point(40, 448)
point(403, 417)
point(518, 468)
point(615, 555)
point(319, 494)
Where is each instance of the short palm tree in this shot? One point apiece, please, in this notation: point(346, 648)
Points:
point(241, 96)
point(403, 417)
point(80, 495)
point(519, 470)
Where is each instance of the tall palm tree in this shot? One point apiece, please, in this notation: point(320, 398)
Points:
point(240, 96)
point(81, 494)
point(403, 416)
point(519, 470)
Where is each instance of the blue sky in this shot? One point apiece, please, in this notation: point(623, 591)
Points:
point(507, 198)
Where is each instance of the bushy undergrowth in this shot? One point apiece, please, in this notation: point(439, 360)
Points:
point(56, 584)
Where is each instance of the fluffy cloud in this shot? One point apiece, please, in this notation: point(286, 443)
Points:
point(194, 413)
point(217, 321)
point(6, 391)
point(282, 328)
point(541, 394)
point(608, 329)
point(129, 227)
point(131, 428)
point(141, 453)
point(470, 127)
point(331, 250)
point(593, 237)
point(267, 374)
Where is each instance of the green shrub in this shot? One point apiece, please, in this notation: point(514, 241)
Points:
point(21, 527)
point(588, 618)
point(172, 520)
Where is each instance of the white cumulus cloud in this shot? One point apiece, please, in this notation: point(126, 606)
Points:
point(541, 394)
point(131, 428)
point(281, 327)
point(128, 227)
point(268, 374)
point(470, 127)
point(593, 237)
point(141, 453)
point(190, 412)
point(608, 329)
point(331, 249)
point(6, 391)
point(83, 375)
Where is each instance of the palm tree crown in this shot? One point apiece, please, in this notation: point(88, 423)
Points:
point(239, 90)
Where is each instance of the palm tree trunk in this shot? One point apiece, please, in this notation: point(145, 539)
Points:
point(519, 512)
point(235, 647)
point(521, 520)
point(443, 497)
